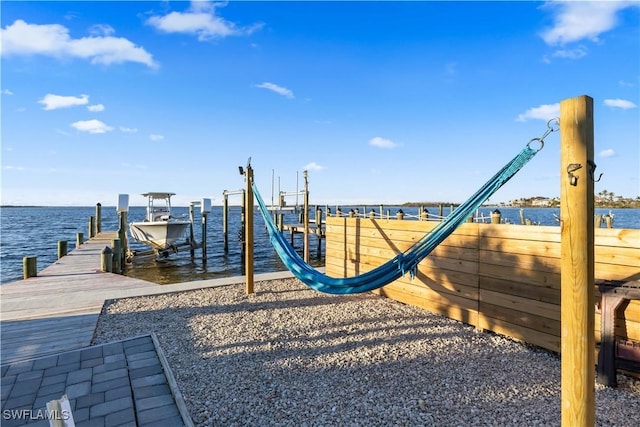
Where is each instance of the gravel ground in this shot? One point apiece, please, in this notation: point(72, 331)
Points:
point(288, 355)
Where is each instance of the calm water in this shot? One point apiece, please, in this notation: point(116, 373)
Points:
point(35, 231)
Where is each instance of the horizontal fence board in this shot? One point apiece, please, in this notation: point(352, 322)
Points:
point(521, 318)
point(457, 312)
point(541, 339)
point(548, 294)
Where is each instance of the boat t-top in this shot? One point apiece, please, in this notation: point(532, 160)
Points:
point(160, 229)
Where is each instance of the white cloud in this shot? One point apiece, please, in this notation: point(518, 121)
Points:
point(543, 112)
point(382, 143)
point(53, 102)
point(277, 89)
point(607, 153)
point(575, 53)
point(95, 108)
point(12, 168)
point(128, 130)
point(91, 126)
point(200, 20)
point(620, 103)
point(574, 21)
point(6, 92)
point(313, 166)
point(22, 38)
point(156, 137)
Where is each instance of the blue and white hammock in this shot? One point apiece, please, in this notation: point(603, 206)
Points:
point(402, 263)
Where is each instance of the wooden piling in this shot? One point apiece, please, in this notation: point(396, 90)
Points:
point(92, 226)
point(496, 217)
point(122, 235)
point(117, 256)
point(29, 266)
point(98, 217)
point(79, 239)
point(225, 222)
point(608, 220)
point(62, 248)
point(192, 238)
point(598, 221)
point(400, 215)
point(106, 260)
point(204, 237)
point(248, 236)
point(577, 262)
point(306, 216)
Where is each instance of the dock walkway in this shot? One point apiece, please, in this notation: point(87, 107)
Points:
point(47, 324)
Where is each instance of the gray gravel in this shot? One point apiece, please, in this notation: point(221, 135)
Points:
point(288, 355)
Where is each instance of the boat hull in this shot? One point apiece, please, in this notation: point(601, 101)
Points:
point(160, 235)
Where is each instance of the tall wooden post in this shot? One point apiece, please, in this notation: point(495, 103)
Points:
point(248, 237)
point(225, 222)
point(92, 226)
point(192, 239)
point(98, 218)
point(577, 262)
point(306, 216)
point(204, 237)
point(122, 235)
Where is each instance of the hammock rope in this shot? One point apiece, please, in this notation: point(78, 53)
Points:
point(406, 261)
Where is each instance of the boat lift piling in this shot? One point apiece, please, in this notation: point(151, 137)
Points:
point(225, 215)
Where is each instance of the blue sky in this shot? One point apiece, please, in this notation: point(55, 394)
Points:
point(382, 102)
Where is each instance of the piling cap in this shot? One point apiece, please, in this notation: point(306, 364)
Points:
point(497, 212)
point(106, 250)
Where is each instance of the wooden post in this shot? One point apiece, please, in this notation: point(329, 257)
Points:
point(400, 215)
point(79, 239)
point(204, 238)
point(29, 267)
point(306, 216)
point(225, 222)
point(192, 238)
point(122, 235)
point(98, 218)
point(496, 217)
point(608, 220)
point(106, 260)
point(577, 262)
point(598, 221)
point(62, 248)
point(92, 226)
point(522, 217)
point(440, 211)
point(248, 237)
point(117, 255)
point(281, 222)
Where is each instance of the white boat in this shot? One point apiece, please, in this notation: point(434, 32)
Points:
point(160, 229)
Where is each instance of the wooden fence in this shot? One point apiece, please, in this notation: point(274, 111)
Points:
point(503, 278)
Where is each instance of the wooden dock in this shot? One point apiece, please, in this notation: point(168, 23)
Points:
point(58, 309)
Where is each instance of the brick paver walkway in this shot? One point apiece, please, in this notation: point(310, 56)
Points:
point(117, 384)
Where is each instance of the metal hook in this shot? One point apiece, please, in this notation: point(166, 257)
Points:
point(573, 180)
point(592, 169)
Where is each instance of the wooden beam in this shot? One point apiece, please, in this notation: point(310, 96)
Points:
point(577, 264)
point(248, 238)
